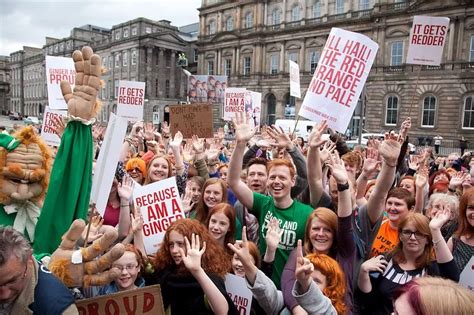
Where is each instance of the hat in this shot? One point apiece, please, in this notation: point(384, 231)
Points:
point(136, 162)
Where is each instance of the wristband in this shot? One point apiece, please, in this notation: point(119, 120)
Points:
point(391, 165)
point(124, 205)
point(435, 243)
point(342, 187)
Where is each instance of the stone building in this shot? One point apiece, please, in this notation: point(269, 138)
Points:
point(4, 84)
point(137, 50)
point(252, 41)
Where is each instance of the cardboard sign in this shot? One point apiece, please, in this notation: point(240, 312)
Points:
point(294, 79)
point(47, 131)
point(427, 39)
point(59, 69)
point(239, 293)
point(253, 109)
point(145, 300)
point(339, 78)
point(160, 205)
point(466, 278)
point(195, 119)
point(236, 101)
point(130, 100)
point(106, 165)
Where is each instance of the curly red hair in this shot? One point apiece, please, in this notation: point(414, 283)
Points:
point(214, 260)
point(335, 281)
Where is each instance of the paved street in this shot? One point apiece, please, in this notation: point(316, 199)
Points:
point(6, 122)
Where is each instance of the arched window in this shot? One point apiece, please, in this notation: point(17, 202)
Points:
point(392, 110)
point(313, 61)
point(295, 13)
point(248, 20)
point(468, 113)
point(316, 9)
point(211, 27)
point(276, 18)
point(429, 111)
point(229, 24)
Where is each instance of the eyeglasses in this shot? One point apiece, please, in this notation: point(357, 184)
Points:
point(127, 267)
point(136, 170)
point(406, 234)
point(15, 280)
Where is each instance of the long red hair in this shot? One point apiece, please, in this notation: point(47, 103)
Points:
point(328, 217)
point(214, 260)
point(335, 280)
point(229, 212)
point(202, 210)
point(464, 227)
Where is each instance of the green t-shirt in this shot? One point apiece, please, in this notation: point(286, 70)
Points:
point(292, 222)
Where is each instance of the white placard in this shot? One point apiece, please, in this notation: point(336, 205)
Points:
point(156, 118)
point(427, 39)
point(255, 109)
point(106, 165)
point(239, 293)
point(466, 278)
point(160, 205)
point(130, 100)
point(47, 129)
point(295, 89)
point(235, 102)
point(339, 78)
point(59, 69)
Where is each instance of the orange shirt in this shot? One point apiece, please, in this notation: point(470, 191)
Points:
point(386, 239)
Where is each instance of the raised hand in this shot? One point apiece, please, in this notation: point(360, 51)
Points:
point(336, 165)
point(176, 143)
point(194, 252)
point(94, 232)
point(406, 125)
point(58, 125)
point(149, 131)
point(414, 162)
point(125, 188)
point(187, 201)
point(273, 235)
point(326, 150)
point(389, 149)
point(82, 268)
point(314, 139)
point(165, 129)
point(304, 268)
point(422, 175)
point(136, 220)
point(371, 162)
point(198, 144)
point(441, 217)
point(280, 139)
point(188, 154)
point(241, 248)
point(456, 180)
point(136, 129)
point(243, 131)
point(82, 102)
point(377, 264)
point(98, 132)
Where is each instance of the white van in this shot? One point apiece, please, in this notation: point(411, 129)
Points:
point(303, 129)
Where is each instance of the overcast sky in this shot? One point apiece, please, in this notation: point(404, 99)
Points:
point(28, 22)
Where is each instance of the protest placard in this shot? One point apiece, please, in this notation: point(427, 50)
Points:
point(47, 130)
point(147, 300)
point(294, 79)
point(130, 100)
point(106, 165)
point(254, 109)
point(58, 69)
point(466, 278)
point(239, 293)
point(339, 78)
point(160, 205)
point(427, 39)
point(195, 119)
point(235, 102)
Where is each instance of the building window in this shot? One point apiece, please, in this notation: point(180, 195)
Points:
point(110, 62)
point(471, 51)
point(293, 56)
point(134, 56)
point(148, 30)
point(229, 24)
point(211, 28)
point(134, 31)
point(125, 32)
point(317, 9)
point(295, 13)
point(167, 88)
point(195, 52)
point(248, 20)
point(116, 87)
point(227, 67)
point(117, 60)
point(210, 67)
point(429, 110)
point(392, 111)
point(339, 6)
point(117, 34)
point(247, 66)
point(397, 54)
point(275, 17)
point(468, 113)
point(313, 61)
point(364, 4)
point(61, 47)
point(125, 58)
point(274, 64)
point(68, 45)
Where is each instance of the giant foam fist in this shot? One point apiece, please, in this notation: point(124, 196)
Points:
point(82, 102)
point(79, 267)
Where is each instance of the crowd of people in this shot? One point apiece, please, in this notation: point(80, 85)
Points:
point(312, 226)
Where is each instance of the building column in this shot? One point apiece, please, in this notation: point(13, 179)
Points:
point(149, 77)
point(161, 69)
point(173, 74)
point(237, 18)
point(282, 58)
point(452, 28)
point(218, 65)
point(237, 63)
point(302, 59)
point(233, 70)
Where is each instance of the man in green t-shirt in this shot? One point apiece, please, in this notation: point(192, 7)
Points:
point(291, 214)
